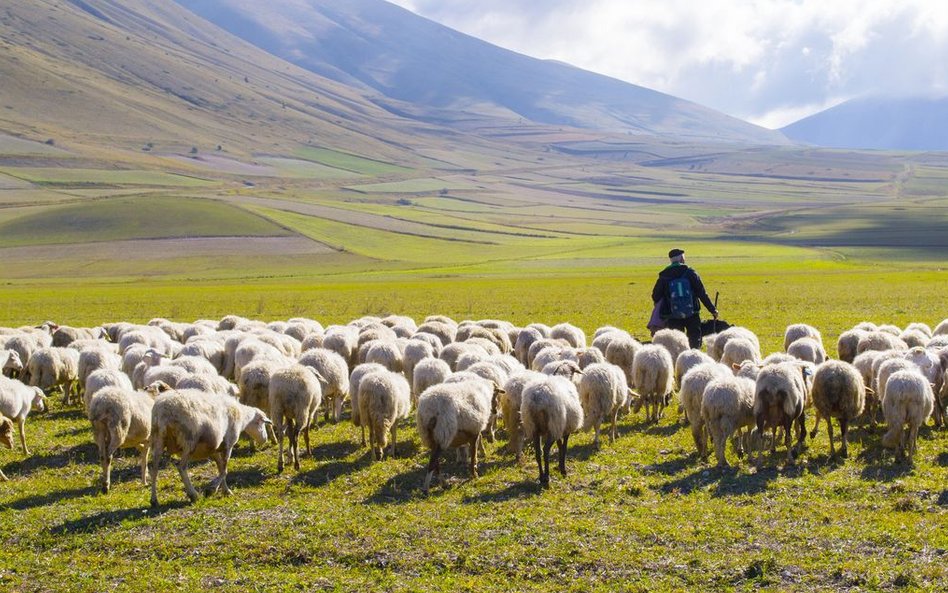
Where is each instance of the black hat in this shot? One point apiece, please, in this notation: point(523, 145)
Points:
point(675, 253)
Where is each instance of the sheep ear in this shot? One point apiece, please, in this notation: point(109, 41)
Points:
point(870, 391)
point(736, 366)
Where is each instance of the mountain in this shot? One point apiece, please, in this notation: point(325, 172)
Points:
point(380, 47)
point(877, 122)
point(136, 73)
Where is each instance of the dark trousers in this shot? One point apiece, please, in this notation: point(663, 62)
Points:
point(691, 326)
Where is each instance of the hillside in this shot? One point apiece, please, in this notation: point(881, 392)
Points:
point(877, 123)
point(374, 45)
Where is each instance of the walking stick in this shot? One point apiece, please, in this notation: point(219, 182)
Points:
point(715, 324)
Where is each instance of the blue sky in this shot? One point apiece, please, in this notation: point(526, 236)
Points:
point(767, 61)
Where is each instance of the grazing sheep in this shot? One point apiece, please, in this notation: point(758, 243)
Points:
point(886, 367)
point(24, 345)
point(848, 343)
point(542, 344)
point(525, 339)
point(102, 378)
point(64, 335)
point(384, 399)
point(54, 367)
point(6, 438)
point(344, 341)
point(445, 332)
point(295, 394)
point(589, 356)
point(16, 402)
point(471, 358)
point(941, 329)
point(122, 419)
point(150, 337)
point(602, 392)
point(10, 362)
point(335, 378)
point(209, 350)
point(605, 336)
point(430, 339)
point(838, 392)
point(253, 349)
point(550, 412)
point(210, 384)
point(489, 346)
point(727, 405)
point(890, 329)
point(653, 375)
point(621, 352)
point(673, 340)
point(254, 385)
point(168, 374)
point(567, 369)
point(195, 365)
point(914, 338)
point(454, 415)
point(737, 351)
point(780, 401)
point(428, 372)
point(880, 340)
point(507, 363)
point(453, 352)
point(572, 334)
point(510, 408)
point(95, 359)
point(908, 400)
point(716, 347)
point(415, 351)
point(807, 349)
point(551, 355)
point(691, 394)
point(800, 330)
point(354, 380)
point(687, 360)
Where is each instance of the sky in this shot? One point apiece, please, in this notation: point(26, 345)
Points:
point(770, 62)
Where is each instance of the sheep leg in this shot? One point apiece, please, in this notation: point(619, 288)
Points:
point(157, 447)
point(474, 447)
point(278, 435)
point(186, 478)
point(143, 453)
point(561, 449)
point(480, 444)
point(612, 434)
point(829, 430)
point(912, 441)
point(844, 429)
point(309, 450)
point(225, 456)
point(294, 430)
point(788, 439)
point(215, 484)
point(105, 458)
point(3, 476)
point(547, 445)
point(538, 451)
point(720, 443)
point(21, 426)
point(363, 435)
point(433, 467)
point(816, 426)
point(697, 433)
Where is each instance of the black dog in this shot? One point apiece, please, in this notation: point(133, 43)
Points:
point(713, 326)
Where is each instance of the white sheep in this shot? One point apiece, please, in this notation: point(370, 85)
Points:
point(94, 359)
point(941, 329)
point(880, 340)
point(384, 399)
point(335, 378)
point(54, 367)
point(416, 350)
point(510, 408)
point(739, 350)
point(691, 394)
point(716, 346)
point(621, 352)
point(542, 344)
point(800, 330)
point(727, 406)
point(908, 400)
point(451, 353)
point(344, 341)
point(673, 340)
point(603, 390)
point(102, 378)
point(253, 349)
point(428, 372)
point(195, 365)
point(552, 354)
point(210, 350)
point(430, 339)
point(354, 379)
point(121, 418)
point(807, 349)
point(10, 362)
point(780, 400)
point(653, 374)
point(550, 412)
point(16, 402)
point(6, 438)
point(589, 356)
point(295, 394)
point(847, 344)
point(914, 338)
point(208, 383)
point(687, 360)
point(525, 339)
point(572, 334)
point(838, 392)
point(470, 358)
point(254, 386)
point(445, 332)
point(454, 415)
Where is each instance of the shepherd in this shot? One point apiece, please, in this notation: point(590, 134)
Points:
point(676, 296)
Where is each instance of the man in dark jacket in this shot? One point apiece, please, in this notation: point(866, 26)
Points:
point(677, 269)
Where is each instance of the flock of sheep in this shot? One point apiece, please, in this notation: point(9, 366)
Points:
point(192, 389)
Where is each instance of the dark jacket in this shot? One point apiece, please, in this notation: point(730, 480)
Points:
point(697, 288)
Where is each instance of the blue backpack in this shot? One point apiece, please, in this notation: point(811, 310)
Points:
point(681, 299)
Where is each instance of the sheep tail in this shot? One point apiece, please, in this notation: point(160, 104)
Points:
point(444, 427)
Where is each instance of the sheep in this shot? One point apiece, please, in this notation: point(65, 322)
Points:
point(880, 340)
point(169, 374)
point(550, 411)
point(691, 393)
point(93, 360)
point(589, 356)
point(932, 366)
point(687, 360)
point(572, 334)
point(471, 358)
point(602, 340)
point(344, 341)
point(54, 367)
point(430, 339)
point(807, 349)
point(208, 383)
point(294, 396)
point(716, 347)
point(253, 389)
point(415, 351)
point(6, 438)
point(800, 330)
point(149, 359)
point(122, 418)
point(510, 408)
point(102, 378)
point(445, 332)
point(150, 337)
point(354, 380)
point(653, 375)
point(914, 338)
point(253, 349)
point(525, 339)
point(453, 415)
point(376, 332)
point(563, 368)
point(602, 392)
point(780, 399)
point(908, 400)
point(507, 363)
point(941, 329)
point(428, 372)
point(542, 344)
point(621, 352)
point(207, 349)
point(939, 342)
point(673, 340)
point(838, 392)
point(195, 365)
point(10, 362)
point(885, 368)
point(727, 405)
point(452, 352)
point(17, 401)
point(738, 350)
point(848, 343)
point(24, 345)
point(489, 346)
point(335, 379)
point(229, 322)
point(196, 425)
point(890, 329)
point(384, 399)
point(64, 335)
point(287, 345)
point(551, 355)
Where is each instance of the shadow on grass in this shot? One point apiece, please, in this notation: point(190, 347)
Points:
point(398, 489)
point(881, 465)
point(514, 490)
point(942, 459)
point(324, 473)
point(729, 481)
point(107, 519)
point(58, 458)
point(42, 500)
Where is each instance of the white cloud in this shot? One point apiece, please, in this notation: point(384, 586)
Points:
point(762, 60)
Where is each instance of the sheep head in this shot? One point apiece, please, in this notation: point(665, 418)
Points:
point(156, 388)
point(6, 432)
point(256, 429)
point(39, 400)
point(13, 361)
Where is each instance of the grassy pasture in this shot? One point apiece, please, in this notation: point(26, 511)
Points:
point(60, 176)
point(349, 162)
